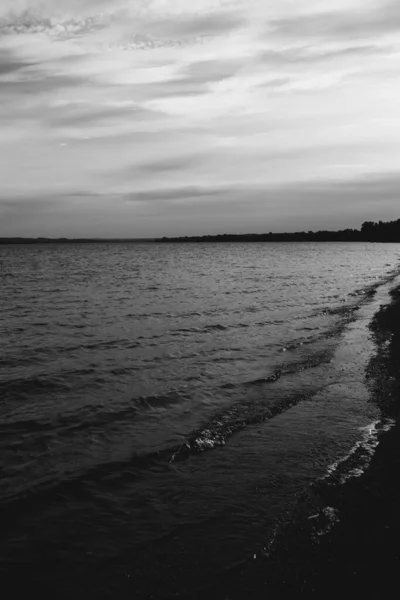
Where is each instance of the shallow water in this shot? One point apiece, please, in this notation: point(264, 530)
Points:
point(163, 407)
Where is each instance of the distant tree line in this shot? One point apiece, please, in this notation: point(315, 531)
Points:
point(388, 231)
point(369, 232)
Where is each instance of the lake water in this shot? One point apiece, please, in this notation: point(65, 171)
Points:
point(163, 408)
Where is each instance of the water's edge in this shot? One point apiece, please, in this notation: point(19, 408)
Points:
point(343, 532)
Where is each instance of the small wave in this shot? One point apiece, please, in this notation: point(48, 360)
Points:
point(65, 349)
point(340, 311)
point(311, 361)
point(217, 327)
point(323, 522)
point(161, 400)
point(355, 462)
point(24, 425)
point(306, 340)
point(185, 330)
point(365, 293)
point(270, 379)
point(205, 329)
point(236, 418)
point(13, 361)
point(29, 385)
point(361, 296)
point(92, 417)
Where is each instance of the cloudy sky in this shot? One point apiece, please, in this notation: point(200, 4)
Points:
point(145, 118)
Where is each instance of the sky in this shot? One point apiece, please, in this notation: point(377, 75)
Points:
point(145, 118)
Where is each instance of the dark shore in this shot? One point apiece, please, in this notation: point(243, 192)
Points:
point(369, 232)
point(360, 555)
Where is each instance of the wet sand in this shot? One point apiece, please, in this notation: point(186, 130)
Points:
point(360, 555)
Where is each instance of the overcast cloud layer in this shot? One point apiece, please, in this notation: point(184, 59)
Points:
point(165, 117)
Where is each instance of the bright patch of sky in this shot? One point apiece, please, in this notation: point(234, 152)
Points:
point(142, 118)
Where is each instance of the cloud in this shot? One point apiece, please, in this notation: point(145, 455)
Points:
point(349, 23)
point(178, 193)
point(32, 203)
point(77, 114)
point(25, 205)
point(139, 20)
point(177, 163)
point(11, 64)
point(190, 80)
point(299, 206)
point(166, 107)
point(29, 23)
point(216, 23)
point(364, 187)
point(39, 83)
point(211, 70)
point(276, 83)
point(310, 55)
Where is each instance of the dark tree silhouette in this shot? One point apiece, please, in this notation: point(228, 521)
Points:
point(381, 232)
point(369, 232)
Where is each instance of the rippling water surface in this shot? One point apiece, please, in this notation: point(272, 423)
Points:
point(163, 406)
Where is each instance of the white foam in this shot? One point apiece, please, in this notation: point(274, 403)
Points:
point(366, 446)
point(330, 517)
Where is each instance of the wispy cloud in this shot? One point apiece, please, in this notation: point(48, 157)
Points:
point(175, 194)
point(309, 55)
point(184, 27)
point(365, 20)
point(10, 64)
point(176, 163)
point(162, 107)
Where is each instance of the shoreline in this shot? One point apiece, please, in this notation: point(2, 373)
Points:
point(351, 544)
